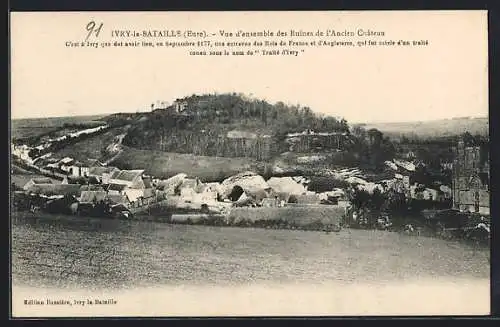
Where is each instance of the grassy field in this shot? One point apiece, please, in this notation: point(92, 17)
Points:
point(29, 127)
point(96, 253)
point(435, 128)
point(166, 164)
point(297, 216)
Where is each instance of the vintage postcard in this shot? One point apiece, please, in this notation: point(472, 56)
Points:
point(168, 164)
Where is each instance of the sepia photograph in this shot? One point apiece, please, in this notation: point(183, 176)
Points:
point(231, 164)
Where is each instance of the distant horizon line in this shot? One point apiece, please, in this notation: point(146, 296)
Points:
point(350, 122)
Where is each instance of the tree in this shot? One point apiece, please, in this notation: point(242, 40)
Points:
point(359, 198)
point(377, 200)
point(375, 137)
point(467, 138)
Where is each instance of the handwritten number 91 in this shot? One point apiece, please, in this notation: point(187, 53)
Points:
point(92, 27)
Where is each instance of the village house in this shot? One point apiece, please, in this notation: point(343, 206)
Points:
point(79, 169)
point(82, 169)
point(102, 174)
point(207, 192)
point(130, 178)
point(116, 189)
point(54, 190)
point(135, 186)
point(37, 181)
point(286, 185)
point(189, 187)
point(65, 164)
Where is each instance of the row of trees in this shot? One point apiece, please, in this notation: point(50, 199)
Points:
point(371, 206)
point(208, 143)
point(231, 108)
point(372, 147)
point(468, 138)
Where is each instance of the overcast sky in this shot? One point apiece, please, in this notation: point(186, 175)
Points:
point(446, 79)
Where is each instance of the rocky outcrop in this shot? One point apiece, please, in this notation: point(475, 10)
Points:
point(249, 181)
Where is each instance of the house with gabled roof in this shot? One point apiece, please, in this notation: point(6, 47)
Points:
point(102, 174)
point(79, 169)
point(116, 189)
point(37, 181)
point(66, 163)
point(133, 184)
point(130, 178)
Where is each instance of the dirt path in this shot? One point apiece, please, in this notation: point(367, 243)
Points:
point(115, 148)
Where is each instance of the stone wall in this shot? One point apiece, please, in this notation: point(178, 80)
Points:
point(296, 215)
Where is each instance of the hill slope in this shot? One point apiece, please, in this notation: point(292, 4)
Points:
point(229, 125)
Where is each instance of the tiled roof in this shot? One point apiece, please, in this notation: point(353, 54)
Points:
point(116, 187)
point(66, 160)
point(98, 171)
point(91, 188)
point(127, 175)
point(42, 181)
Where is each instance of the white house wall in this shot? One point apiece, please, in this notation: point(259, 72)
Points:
point(134, 194)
